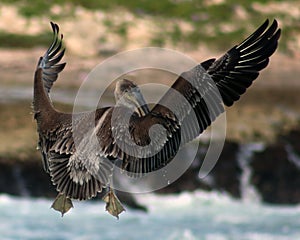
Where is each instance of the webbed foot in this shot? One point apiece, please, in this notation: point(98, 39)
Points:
point(62, 204)
point(113, 204)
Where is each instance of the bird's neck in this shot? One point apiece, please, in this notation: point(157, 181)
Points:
point(41, 101)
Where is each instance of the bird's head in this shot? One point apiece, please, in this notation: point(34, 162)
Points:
point(128, 94)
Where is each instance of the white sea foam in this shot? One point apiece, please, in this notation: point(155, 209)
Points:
point(187, 216)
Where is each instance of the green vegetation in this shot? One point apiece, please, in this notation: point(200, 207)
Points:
point(24, 41)
point(190, 10)
point(199, 14)
point(120, 29)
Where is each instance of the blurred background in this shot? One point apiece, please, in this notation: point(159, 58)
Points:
point(253, 191)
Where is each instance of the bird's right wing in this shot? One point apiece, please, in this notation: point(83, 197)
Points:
point(49, 63)
point(46, 73)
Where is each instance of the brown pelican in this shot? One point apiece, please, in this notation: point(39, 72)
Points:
point(80, 167)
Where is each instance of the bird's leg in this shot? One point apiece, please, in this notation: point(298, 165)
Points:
point(113, 204)
point(62, 204)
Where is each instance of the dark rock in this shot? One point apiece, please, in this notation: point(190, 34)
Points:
point(7, 181)
point(35, 180)
point(27, 178)
point(275, 176)
point(189, 181)
point(130, 201)
point(292, 139)
point(225, 174)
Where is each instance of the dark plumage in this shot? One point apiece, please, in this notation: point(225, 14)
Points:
point(79, 150)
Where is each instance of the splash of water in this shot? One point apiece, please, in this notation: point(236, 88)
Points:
point(292, 155)
point(244, 157)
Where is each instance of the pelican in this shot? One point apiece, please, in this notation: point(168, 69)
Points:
point(80, 165)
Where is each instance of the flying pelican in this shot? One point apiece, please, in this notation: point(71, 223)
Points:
point(80, 167)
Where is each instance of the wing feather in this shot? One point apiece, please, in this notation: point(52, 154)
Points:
point(206, 88)
point(50, 61)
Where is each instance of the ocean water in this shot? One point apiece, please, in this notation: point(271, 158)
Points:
point(187, 216)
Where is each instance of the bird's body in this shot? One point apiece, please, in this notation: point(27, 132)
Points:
point(79, 150)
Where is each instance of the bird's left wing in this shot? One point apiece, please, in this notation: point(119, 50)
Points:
point(197, 97)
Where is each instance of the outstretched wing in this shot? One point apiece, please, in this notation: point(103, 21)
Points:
point(205, 88)
point(235, 71)
point(74, 168)
point(47, 71)
point(50, 61)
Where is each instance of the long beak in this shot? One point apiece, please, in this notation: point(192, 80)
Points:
point(139, 101)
